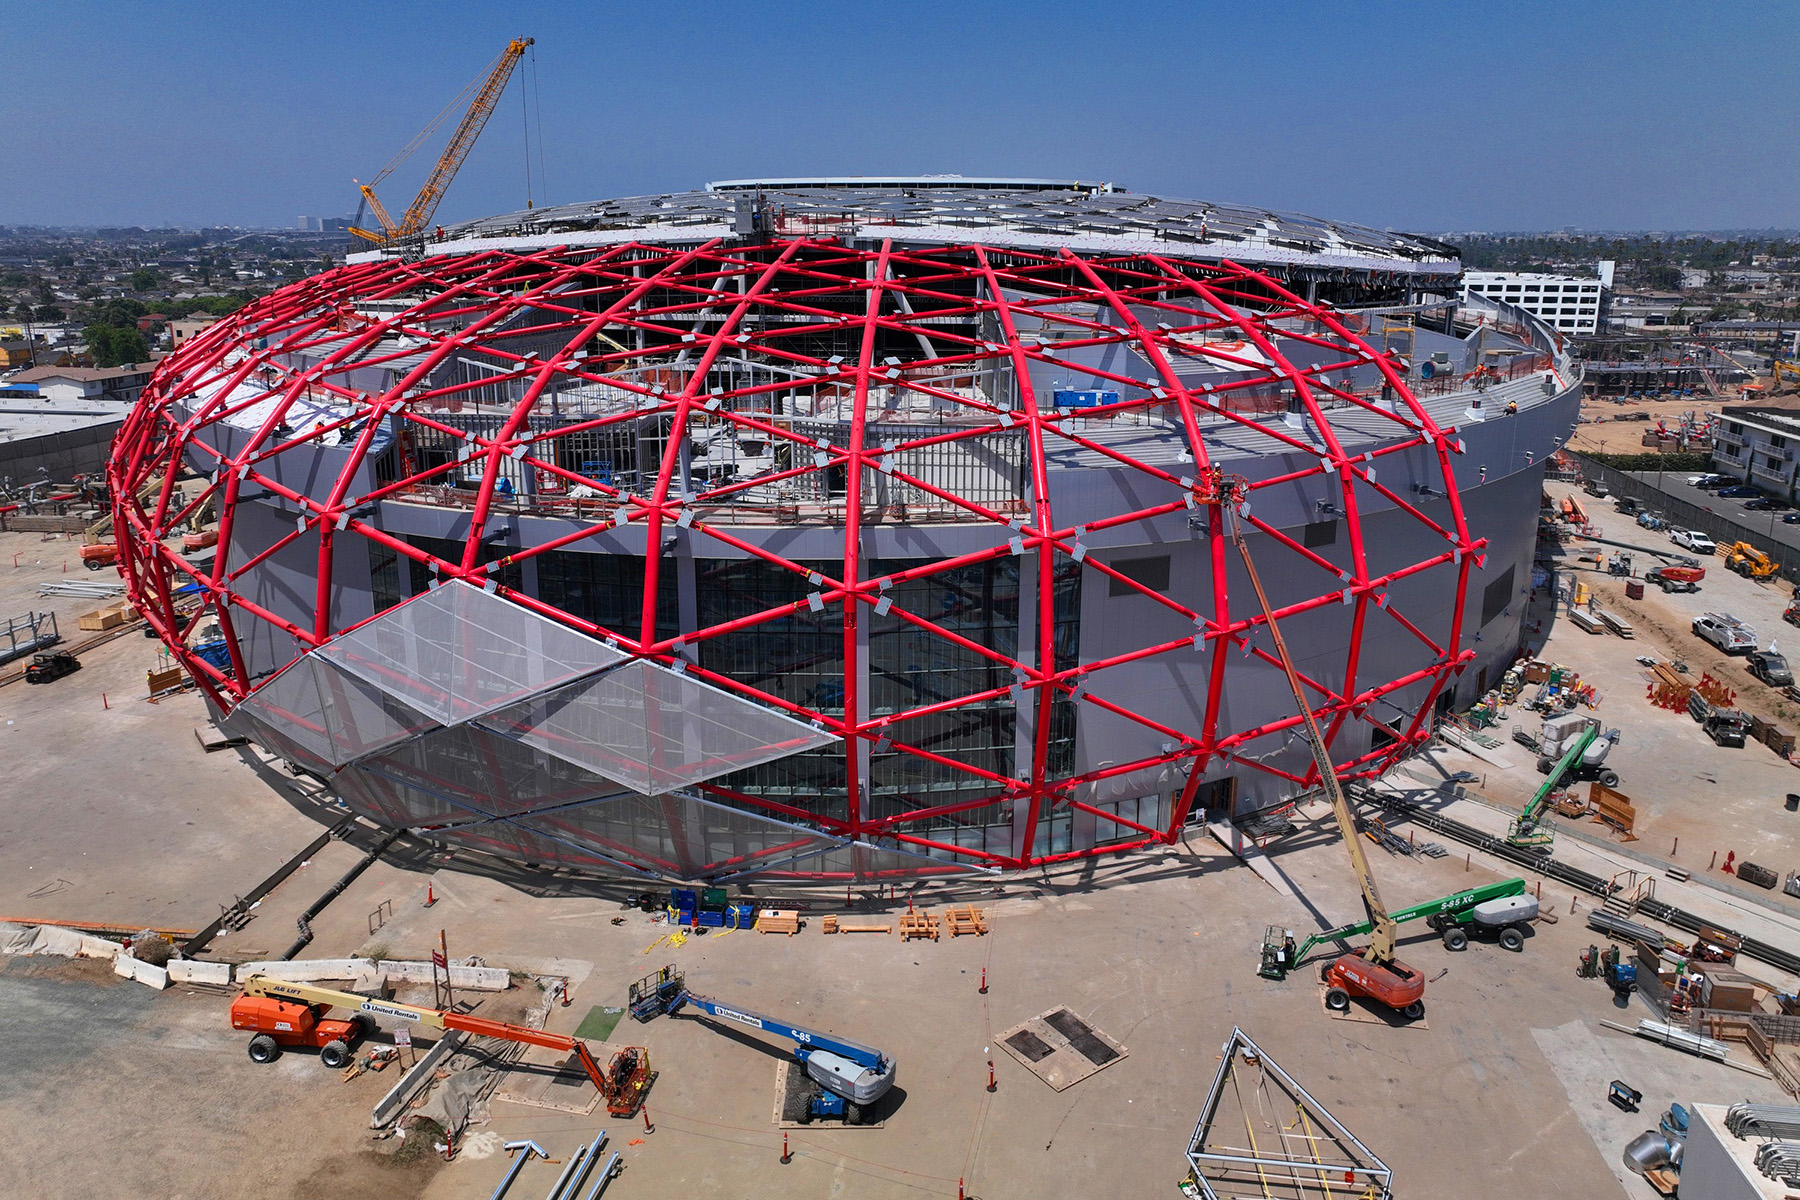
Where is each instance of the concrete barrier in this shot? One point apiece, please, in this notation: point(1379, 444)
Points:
point(392, 1105)
point(143, 972)
point(53, 939)
point(308, 970)
point(479, 979)
point(188, 970)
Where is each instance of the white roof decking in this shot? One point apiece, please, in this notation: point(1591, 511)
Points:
point(1027, 214)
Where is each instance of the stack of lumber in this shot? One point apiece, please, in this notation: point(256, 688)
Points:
point(1671, 689)
point(778, 920)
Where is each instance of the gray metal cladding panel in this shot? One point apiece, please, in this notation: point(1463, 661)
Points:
point(654, 729)
point(457, 652)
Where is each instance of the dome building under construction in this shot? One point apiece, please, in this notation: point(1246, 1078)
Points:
point(818, 528)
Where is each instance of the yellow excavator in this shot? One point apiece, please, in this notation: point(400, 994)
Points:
point(1784, 368)
point(487, 91)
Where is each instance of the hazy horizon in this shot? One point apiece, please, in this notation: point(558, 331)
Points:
point(1514, 119)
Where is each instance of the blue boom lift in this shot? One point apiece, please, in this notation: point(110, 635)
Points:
point(850, 1076)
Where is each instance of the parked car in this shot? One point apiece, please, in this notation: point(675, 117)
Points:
point(1792, 518)
point(1768, 504)
point(1693, 539)
point(1739, 491)
point(1701, 481)
point(1769, 667)
point(1714, 482)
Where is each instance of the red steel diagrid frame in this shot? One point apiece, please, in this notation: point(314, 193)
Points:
point(694, 340)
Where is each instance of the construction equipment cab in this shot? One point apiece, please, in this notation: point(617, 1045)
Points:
point(281, 1022)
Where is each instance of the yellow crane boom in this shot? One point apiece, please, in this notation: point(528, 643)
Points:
point(419, 212)
point(1382, 934)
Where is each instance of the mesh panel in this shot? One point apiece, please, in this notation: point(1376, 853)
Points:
point(333, 716)
point(510, 840)
point(466, 769)
point(456, 652)
point(860, 860)
point(289, 703)
point(656, 730)
point(680, 835)
point(243, 724)
point(393, 804)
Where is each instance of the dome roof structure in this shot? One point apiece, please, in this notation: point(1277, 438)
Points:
point(812, 550)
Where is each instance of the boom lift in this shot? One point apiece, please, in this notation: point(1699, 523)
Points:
point(850, 1076)
point(1528, 829)
point(279, 1014)
point(1451, 916)
point(1373, 971)
point(418, 213)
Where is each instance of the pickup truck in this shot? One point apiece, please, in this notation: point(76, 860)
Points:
point(1726, 632)
point(1693, 539)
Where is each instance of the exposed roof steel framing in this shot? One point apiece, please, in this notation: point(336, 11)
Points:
point(613, 316)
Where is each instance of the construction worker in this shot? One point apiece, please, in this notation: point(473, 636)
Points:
point(1512, 407)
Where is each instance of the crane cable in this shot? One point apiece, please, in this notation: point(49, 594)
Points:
point(457, 103)
point(525, 131)
point(537, 100)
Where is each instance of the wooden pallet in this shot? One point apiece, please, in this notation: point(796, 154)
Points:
point(918, 925)
point(966, 919)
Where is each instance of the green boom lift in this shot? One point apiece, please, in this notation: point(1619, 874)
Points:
point(1448, 914)
point(1528, 828)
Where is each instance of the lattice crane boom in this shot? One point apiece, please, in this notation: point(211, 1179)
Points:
point(420, 211)
point(1381, 937)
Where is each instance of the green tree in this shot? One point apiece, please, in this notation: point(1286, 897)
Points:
point(120, 313)
point(144, 279)
point(112, 346)
point(49, 312)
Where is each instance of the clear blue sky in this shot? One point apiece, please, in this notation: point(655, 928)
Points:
point(1428, 116)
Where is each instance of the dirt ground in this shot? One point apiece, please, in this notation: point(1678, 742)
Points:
point(1683, 786)
point(116, 809)
point(1608, 427)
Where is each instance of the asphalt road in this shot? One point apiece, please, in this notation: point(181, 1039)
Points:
point(1767, 526)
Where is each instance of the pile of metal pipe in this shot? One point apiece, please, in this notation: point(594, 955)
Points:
point(1681, 1039)
point(1779, 1160)
point(1763, 1120)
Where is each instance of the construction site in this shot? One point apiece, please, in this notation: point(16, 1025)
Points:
point(903, 686)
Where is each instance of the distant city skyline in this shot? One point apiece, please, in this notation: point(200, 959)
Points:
point(1516, 118)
